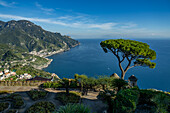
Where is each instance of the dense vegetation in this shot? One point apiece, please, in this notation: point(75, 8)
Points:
point(73, 108)
point(42, 107)
point(3, 106)
point(73, 97)
point(15, 99)
point(36, 95)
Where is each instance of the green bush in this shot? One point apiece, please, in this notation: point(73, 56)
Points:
point(125, 101)
point(16, 100)
point(73, 97)
point(12, 111)
point(3, 106)
point(162, 102)
point(36, 95)
point(103, 94)
point(41, 107)
point(73, 108)
point(52, 85)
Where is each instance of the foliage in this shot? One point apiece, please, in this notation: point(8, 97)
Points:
point(103, 95)
point(105, 81)
point(162, 102)
point(41, 107)
point(52, 85)
point(73, 97)
point(119, 83)
point(16, 100)
point(133, 51)
point(125, 101)
point(3, 106)
point(36, 95)
point(154, 101)
point(73, 108)
point(12, 111)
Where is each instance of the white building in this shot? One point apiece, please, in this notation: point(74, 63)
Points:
point(6, 70)
point(1, 73)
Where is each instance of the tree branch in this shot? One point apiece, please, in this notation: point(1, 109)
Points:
point(127, 67)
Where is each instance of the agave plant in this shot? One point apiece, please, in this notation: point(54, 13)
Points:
point(73, 108)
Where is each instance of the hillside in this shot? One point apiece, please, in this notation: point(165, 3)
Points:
point(24, 43)
point(30, 37)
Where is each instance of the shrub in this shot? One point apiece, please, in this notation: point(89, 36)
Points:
point(162, 102)
point(73, 97)
point(16, 100)
point(41, 107)
point(103, 94)
point(73, 108)
point(12, 111)
point(35, 95)
point(52, 85)
point(125, 101)
point(3, 106)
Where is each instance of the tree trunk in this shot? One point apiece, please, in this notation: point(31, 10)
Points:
point(123, 75)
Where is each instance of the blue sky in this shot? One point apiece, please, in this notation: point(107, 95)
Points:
point(94, 18)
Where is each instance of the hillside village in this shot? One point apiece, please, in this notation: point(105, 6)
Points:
point(6, 73)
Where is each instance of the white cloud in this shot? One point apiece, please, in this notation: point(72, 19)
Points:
point(103, 26)
point(46, 10)
point(6, 4)
point(74, 24)
point(129, 25)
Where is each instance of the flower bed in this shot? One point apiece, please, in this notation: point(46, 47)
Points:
point(73, 97)
point(41, 107)
point(3, 106)
point(36, 95)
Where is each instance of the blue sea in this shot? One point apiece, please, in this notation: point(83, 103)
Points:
point(88, 58)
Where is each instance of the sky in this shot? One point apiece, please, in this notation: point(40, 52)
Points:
point(94, 18)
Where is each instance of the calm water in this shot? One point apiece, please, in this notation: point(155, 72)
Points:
point(90, 59)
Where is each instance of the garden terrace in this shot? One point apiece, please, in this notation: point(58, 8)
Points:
point(73, 97)
point(36, 95)
point(41, 107)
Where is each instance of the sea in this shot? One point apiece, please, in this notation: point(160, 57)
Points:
point(89, 58)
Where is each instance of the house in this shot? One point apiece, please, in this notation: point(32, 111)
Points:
point(28, 76)
point(6, 70)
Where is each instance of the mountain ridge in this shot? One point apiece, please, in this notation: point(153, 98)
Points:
point(31, 37)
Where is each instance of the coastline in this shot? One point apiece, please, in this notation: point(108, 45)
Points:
point(53, 53)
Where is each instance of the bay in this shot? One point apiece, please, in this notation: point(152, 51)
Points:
point(88, 58)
